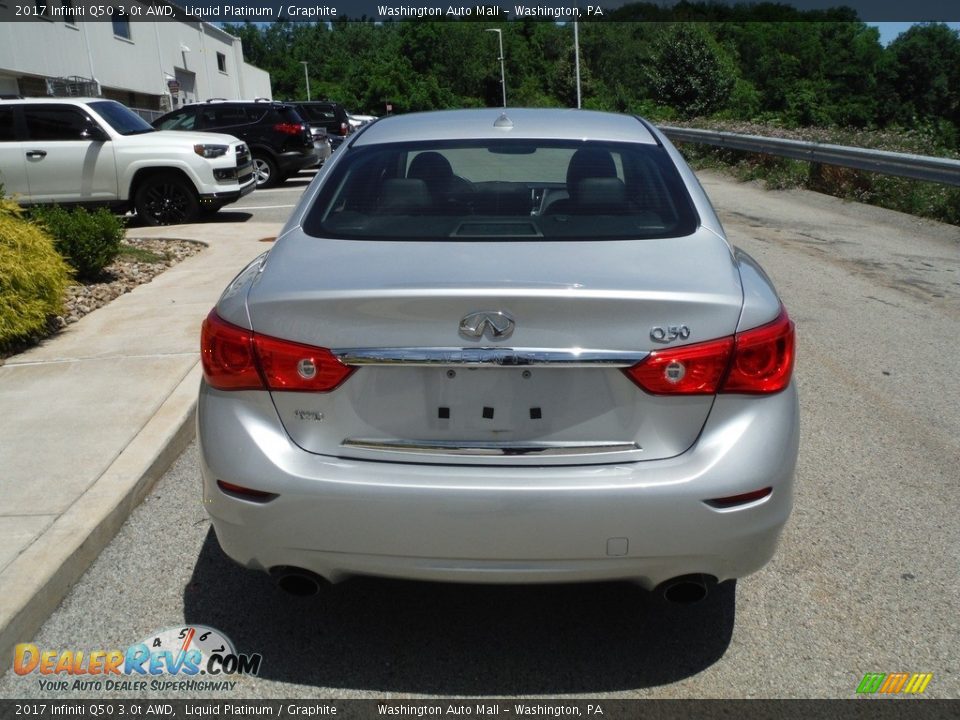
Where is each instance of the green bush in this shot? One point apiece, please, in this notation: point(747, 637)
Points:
point(33, 278)
point(89, 241)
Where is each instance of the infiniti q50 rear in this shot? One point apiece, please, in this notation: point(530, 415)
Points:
point(501, 346)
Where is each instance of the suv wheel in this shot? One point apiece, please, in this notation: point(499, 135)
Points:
point(166, 199)
point(266, 172)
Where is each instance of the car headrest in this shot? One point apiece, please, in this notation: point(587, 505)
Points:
point(404, 194)
point(601, 192)
point(589, 162)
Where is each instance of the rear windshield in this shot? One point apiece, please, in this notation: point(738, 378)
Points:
point(287, 114)
point(503, 190)
point(317, 113)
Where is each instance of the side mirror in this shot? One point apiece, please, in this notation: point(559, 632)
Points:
point(94, 133)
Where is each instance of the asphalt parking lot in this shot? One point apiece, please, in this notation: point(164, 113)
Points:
point(865, 580)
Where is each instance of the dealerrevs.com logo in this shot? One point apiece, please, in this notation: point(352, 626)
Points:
point(894, 683)
point(193, 657)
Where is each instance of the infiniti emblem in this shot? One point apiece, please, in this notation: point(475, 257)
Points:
point(496, 325)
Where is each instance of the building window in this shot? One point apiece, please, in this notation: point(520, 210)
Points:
point(121, 24)
point(221, 62)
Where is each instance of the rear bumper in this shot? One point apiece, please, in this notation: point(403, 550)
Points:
point(291, 162)
point(645, 521)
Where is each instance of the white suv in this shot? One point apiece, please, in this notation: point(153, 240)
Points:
point(99, 152)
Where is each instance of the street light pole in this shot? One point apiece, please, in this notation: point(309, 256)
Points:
point(503, 77)
point(576, 50)
point(306, 78)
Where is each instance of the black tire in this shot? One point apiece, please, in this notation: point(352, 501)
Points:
point(265, 171)
point(166, 199)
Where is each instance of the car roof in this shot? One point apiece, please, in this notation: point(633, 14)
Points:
point(328, 103)
point(52, 99)
point(218, 102)
point(517, 123)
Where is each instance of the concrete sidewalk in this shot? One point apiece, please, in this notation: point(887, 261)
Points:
point(92, 417)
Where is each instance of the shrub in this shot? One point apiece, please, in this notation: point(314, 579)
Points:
point(33, 278)
point(89, 241)
point(690, 71)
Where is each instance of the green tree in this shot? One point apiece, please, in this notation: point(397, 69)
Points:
point(690, 72)
point(921, 77)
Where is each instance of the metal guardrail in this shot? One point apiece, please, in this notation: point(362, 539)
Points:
point(918, 167)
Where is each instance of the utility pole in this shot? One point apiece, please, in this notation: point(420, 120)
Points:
point(503, 77)
point(306, 78)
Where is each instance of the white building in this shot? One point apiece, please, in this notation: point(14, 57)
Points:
point(152, 66)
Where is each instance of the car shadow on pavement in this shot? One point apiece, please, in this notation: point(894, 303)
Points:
point(222, 216)
point(473, 640)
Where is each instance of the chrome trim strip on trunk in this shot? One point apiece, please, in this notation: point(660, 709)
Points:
point(497, 356)
point(441, 447)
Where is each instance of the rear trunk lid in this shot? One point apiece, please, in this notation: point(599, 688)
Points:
point(549, 390)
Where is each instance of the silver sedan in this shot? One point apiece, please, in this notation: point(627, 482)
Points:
point(501, 346)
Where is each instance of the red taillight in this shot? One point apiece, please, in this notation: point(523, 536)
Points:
point(238, 359)
point(227, 355)
point(687, 370)
point(758, 361)
point(289, 128)
point(344, 128)
point(291, 366)
point(763, 359)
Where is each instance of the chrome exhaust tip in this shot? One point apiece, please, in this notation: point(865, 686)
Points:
point(297, 581)
point(686, 589)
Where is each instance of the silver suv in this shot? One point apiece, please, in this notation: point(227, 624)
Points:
point(93, 151)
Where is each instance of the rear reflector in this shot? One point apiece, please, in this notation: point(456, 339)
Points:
point(245, 492)
point(235, 358)
point(756, 362)
point(732, 500)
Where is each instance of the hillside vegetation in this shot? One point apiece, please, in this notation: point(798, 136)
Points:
point(768, 65)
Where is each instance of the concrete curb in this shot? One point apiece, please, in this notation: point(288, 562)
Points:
point(76, 538)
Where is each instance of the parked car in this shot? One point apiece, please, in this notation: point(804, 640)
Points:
point(321, 143)
point(501, 346)
point(98, 152)
point(358, 121)
point(278, 137)
point(330, 116)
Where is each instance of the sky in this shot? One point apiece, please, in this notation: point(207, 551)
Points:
point(890, 30)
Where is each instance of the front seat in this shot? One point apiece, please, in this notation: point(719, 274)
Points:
point(591, 170)
point(435, 170)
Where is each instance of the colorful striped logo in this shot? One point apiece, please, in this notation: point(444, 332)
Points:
point(894, 683)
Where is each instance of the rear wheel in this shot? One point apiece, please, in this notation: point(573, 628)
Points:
point(266, 172)
point(166, 199)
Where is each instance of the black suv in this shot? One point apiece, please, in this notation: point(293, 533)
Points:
point(328, 115)
point(277, 136)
